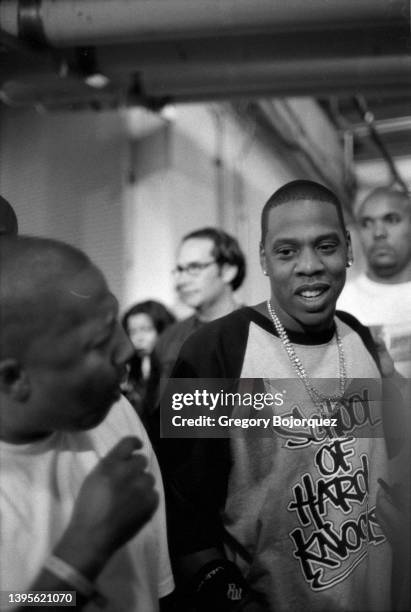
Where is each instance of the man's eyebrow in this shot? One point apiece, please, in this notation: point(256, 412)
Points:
point(109, 320)
point(189, 263)
point(328, 235)
point(284, 240)
point(114, 303)
point(379, 217)
point(293, 240)
point(391, 213)
point(107, 325)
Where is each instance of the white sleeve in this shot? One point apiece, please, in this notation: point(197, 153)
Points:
point(165, 576)
point(124, 418)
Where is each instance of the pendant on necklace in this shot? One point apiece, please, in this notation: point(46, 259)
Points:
point(329, 408)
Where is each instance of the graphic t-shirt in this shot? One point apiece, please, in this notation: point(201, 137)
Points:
point(294, 508)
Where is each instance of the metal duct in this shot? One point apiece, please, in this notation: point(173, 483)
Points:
point(157, 84)
point(234, 50)
point(279, 78)
point(93, 22)
point(368, 117)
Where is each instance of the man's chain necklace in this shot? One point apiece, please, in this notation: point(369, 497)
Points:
point(317, 397)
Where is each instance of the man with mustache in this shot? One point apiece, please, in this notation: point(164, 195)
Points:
point(285, 519)
point(380, 297)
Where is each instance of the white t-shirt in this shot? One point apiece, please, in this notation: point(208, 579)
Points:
point(39, 483)
point(386, 309)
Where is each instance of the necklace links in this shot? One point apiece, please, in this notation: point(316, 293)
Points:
point(318, 398)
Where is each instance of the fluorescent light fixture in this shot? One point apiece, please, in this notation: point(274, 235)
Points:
point(97, 80)
point(169, 112)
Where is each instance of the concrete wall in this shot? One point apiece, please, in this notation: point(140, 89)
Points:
point(65, 175)
point(125, 186)
point(204, 168)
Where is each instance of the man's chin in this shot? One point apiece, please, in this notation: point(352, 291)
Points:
point(95, 418)
point(316, 319)
point(193, 304)
point(384, 269)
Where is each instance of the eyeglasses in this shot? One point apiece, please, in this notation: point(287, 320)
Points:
point(194, 268)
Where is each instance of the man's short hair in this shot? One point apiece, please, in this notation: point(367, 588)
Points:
point(387, 192)
point(225, 250)
point(31, 271)
point(299, 190)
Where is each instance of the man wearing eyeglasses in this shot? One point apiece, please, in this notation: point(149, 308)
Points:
point(210, 268)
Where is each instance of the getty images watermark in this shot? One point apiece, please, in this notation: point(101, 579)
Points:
point(207, 399)
point(257, 401)
point(221, 408)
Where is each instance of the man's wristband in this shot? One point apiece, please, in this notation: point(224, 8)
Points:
point(219, 585)
point(69, 574)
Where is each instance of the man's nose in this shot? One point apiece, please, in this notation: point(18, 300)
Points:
point(124, 349)
point(379, 229)
point(182, 278)
point(309, 262)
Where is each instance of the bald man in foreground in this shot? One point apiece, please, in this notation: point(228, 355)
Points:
point(81, 502)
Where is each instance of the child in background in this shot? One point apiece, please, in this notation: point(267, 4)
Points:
point(144, 322)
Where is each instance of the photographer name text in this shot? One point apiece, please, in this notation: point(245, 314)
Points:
point(250, 423)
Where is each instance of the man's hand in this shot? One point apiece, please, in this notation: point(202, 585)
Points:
point(116, 499)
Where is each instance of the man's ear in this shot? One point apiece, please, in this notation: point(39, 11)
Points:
point(14, 380)
point(228, 273)
point(263, 261)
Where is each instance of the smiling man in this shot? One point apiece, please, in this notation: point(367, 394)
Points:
point(78, 508)
point(286, 520)
point(380, 297)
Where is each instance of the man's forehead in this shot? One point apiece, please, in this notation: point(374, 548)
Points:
point(87, 314)
point(195, 249)
point(384, 203)
point(101, 305)
point(295, 216)
point(85, 296)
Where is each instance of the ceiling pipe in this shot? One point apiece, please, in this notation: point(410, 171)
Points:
point(380, 42)
point(157, 86)
point(94, 22)
point(278, 78)
point(396, 125)
point(287, 123)
point(361, 104)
